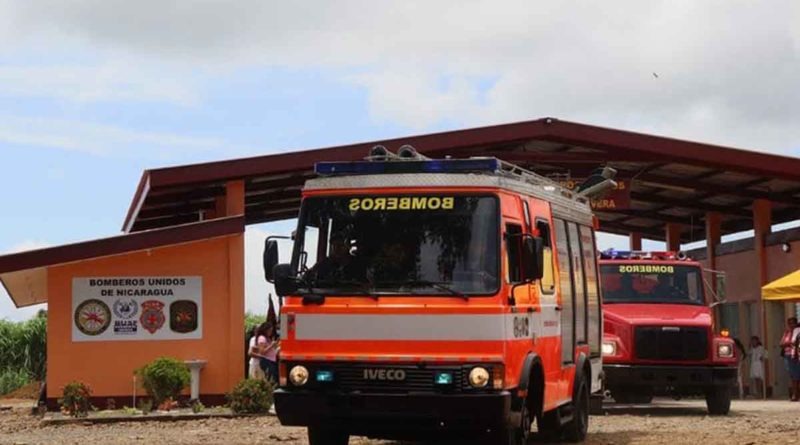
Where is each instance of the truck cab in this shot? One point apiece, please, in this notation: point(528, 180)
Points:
point(659, 334)
point(430, 298)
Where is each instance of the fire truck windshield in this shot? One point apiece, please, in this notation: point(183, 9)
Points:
point(431, 244)
point(651, 283)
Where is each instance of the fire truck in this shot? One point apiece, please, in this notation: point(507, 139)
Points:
point(659, 336)
point(438, 298)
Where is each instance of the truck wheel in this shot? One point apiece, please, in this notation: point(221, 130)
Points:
point(518, 435)
point(322, 435)
point(718, 400)
point(575, 430)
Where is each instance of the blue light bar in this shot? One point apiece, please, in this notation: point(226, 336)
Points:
point(443, 378)
point(427, 166)
point(325, 376)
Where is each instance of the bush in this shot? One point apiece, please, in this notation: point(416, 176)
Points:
point(164, 379)
point(75, 401)
point(251, 396)
point(11, 379)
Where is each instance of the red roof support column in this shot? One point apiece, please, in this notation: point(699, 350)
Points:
point(635, 239)
point(713, 238)
point(762, 225)
point(673, 236)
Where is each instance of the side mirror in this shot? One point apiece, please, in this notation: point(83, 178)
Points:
point(533, 258)
point(270, 259)
point(721, 281)
point(285, 284)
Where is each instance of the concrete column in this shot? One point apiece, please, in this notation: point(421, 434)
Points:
point(635, 239)
point(673, 237)
point(762, 225)
point(234, 198)
point(234, 205)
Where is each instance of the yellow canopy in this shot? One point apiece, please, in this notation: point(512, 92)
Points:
point(784, 288)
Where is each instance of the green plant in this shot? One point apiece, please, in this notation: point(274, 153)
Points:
point(23, 346)
point(251, 396)
point(75, 400)
point(164, 378)
point(129, 411)
point(198, 407)
point(11, 379)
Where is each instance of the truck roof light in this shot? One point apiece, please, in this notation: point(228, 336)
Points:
point(486, 165)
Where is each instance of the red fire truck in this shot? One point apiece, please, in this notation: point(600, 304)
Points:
point(438, 297)
point(659, 334)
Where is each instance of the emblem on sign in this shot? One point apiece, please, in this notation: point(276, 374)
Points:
point(152, 318)
point(92, 317)
point(183, 316)
point(126, 309)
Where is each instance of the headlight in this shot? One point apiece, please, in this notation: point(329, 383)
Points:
point(724, 350)
point(479, 377)
point(609, 348)
point(298, 375)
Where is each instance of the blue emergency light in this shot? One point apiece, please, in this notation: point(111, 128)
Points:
point(324, 376)
point(443, 378)
point(417, 166)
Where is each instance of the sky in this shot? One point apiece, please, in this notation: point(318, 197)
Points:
point(92, 92)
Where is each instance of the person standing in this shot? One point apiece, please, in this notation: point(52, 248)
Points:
point(757, 357)
point(269, 352)
point(790, 350)
point(257, 342)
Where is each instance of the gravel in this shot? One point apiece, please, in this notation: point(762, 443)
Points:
point(663, 422)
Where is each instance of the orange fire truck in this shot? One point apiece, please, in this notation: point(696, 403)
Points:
point(659, 332)
point(437, 297)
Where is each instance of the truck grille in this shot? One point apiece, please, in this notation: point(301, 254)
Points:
point(671, 343)
point(351, 378)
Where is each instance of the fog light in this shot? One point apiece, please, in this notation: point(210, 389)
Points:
point(324, 376)
point(724, 350)
point(479, 377)
point(609, 348)
point(298, 375)
point(443, 378)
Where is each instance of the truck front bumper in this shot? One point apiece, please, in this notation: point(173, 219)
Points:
point(394, 415)
point(661, 376)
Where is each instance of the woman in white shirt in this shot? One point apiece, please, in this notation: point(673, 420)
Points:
point(257, 342)
point(757, 356)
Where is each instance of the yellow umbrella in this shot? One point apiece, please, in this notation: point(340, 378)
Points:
point(784, 288)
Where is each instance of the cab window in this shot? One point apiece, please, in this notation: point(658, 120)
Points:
point(548, 283)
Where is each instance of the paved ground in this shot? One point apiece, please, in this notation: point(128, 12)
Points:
point(663, 422)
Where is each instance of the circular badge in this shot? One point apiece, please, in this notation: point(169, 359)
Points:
point(92, 317)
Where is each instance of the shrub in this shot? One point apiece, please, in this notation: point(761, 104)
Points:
point(198, 407)
point(251, 396)
point(12, 379)
point(75, 401)
point(23, 346)
point(164, 379)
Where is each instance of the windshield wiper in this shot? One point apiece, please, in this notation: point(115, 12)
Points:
point(437, 285)
point(366, 288)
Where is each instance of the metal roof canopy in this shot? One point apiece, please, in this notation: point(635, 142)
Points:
point(673, 181)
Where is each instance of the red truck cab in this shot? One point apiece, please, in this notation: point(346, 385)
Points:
point(658, 336)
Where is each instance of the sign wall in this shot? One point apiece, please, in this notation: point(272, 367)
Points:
point(137, 308)
point(617, 198)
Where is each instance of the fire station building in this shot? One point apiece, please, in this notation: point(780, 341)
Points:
point(173, 282)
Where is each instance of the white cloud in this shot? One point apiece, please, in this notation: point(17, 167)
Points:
point(727, 70)
point(257, 289)
point(104, 82)
point(106, 140)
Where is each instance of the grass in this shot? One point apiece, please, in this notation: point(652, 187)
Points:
point(23, 352)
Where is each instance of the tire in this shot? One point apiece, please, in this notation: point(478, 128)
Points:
point(577, 428)
point(519, 434)
point(322, 435)
point(718, 400)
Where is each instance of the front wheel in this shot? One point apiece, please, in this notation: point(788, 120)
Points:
point(519, 434)
point(321, 435)
point(577, 428)
point(718, 400)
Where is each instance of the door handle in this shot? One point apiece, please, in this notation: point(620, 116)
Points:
point(558, 308)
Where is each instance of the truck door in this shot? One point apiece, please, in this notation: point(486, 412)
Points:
point(567, 297)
